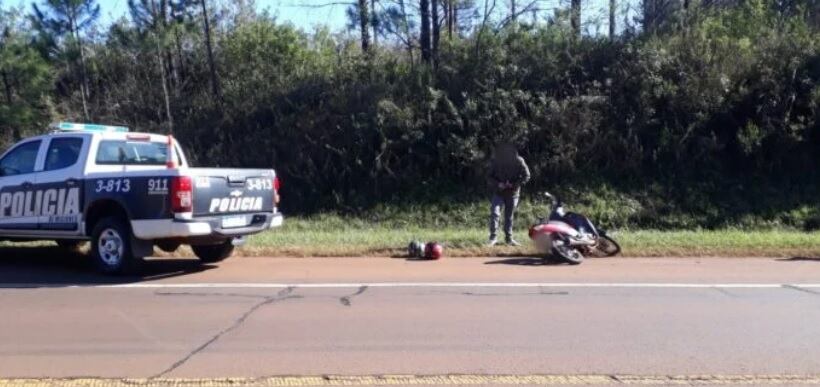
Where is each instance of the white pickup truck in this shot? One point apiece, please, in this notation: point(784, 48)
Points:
point(126, 193)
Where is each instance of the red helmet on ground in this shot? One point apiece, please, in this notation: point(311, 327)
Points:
point(433, 250)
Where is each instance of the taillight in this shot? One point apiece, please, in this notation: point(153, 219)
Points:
point(276, 185)
point(182, 194)
point(170, 161)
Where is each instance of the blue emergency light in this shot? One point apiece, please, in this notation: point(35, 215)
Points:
point(75, 127)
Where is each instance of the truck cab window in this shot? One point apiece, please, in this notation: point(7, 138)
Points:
point(63, 153)
point(20, 160)
point(132, 153)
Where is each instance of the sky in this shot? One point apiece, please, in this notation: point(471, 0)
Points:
point(304, 14)
point(294, 11)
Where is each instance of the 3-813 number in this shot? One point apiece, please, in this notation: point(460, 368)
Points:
point(260, 184)
point(113, 185)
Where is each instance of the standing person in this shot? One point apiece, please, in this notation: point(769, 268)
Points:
point(507, 173)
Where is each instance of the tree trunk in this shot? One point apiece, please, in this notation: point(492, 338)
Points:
point(211, 64)
point(454, 16)
point(447, 12)
point(163, 57)
point(513, 11)
point(436, 29)
point(7, 87)
point(648, 16)
point(406, 28)
point(179, 69)
point(374, 22)
point(612, 6)
point(169, 58)
point(15, 132)
point(575, 17)
point(72, 26)
point(164, 81)
point(83, 79)
point(424, 30)
point(364, 22)
point(815, 16)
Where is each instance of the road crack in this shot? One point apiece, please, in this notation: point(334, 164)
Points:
point(346, 299)
point(725, 292)
point(801, 289)
point(284, 294)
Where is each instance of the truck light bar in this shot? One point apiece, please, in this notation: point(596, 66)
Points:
point(74, 127)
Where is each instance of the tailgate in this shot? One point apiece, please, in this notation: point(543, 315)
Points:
point(228, 192)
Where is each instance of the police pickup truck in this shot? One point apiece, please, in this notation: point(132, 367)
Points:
point(126, 193)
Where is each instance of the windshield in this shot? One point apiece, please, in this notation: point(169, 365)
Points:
point(132, 153)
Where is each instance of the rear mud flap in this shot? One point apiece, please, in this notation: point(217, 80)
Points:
point(141, 247)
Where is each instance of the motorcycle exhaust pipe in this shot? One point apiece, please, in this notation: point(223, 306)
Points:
point(582, 242)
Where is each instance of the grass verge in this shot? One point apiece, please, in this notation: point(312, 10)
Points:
point(332, 237)
point(339, 237)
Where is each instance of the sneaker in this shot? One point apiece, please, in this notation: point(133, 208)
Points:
point(513, 242)
point(492, 242)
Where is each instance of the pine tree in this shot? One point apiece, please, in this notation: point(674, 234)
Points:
point(25, 79)
point(575, 17)
point(424, 31)
point(65, 21)
point(364, 19)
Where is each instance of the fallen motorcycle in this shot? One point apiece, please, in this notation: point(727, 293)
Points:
point(569, 236)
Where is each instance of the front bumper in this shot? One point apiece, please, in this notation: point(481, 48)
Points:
point(203, 227)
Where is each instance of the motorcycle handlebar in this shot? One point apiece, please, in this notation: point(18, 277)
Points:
point(552, 198)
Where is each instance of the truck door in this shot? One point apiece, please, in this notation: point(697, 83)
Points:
point(17, 179)
point(59, 184)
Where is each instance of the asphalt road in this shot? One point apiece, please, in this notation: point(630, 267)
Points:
point(613, 319)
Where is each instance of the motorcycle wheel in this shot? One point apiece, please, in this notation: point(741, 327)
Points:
point(607, 246)
point(566, 253)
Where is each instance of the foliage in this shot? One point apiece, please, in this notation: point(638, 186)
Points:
point(333, 236)
point(26, 80)
point(691, 125)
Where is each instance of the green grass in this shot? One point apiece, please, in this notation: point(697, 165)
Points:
point(651, 206)
point(336, 236)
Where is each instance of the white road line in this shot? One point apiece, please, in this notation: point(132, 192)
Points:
point(263, 285)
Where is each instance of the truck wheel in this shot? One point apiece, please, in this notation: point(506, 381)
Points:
point(213, 253)
point(111, 247)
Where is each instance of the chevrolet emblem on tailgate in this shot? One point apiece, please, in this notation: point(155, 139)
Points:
point(236, 193)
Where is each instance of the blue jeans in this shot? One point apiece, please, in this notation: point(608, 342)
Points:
point(509, 202)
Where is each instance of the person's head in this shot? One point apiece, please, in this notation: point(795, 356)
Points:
point(506, 151)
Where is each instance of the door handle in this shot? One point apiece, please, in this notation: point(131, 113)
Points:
point(71, 182)
point(27, 184)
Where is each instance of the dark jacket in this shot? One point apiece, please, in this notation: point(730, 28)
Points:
point(512, 170)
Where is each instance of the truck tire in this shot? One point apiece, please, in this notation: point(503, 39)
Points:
point(111, 247)
point(213, 253)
